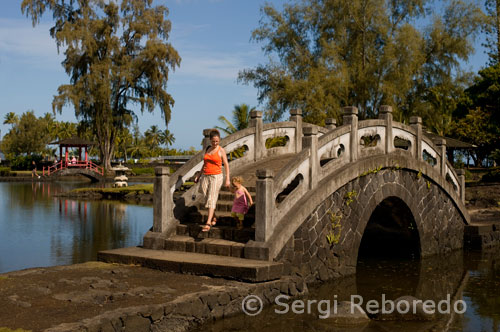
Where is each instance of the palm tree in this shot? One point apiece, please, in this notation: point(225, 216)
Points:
point(167, 137)
point(241, 118)
point(11, 118)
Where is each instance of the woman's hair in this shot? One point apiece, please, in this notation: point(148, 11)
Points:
point(214, 133)
point(237, 179)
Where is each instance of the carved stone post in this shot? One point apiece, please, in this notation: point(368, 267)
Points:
point(296, 116)
point(256, 121)
point(264, 205)
point(461, 183)
point(350, 117)
point(163, 203)
point(163, 221)
point(331, 123)
point(310, 140)
point(385, 113)
point(416, 123)
point(206, 138)
point(441, 144)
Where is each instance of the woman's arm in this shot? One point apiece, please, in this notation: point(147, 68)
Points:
point(226, 166)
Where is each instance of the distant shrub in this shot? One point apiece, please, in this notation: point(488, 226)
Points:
point(492, 176)
point(143, 171)
point(5, 171)
point(23, 163)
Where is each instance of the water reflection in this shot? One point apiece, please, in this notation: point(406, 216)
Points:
point(39, 229)
point(471, 278)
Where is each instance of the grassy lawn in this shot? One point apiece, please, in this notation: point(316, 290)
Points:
point(135, 189)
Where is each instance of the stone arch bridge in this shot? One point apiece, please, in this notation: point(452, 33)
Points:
point(324, 198)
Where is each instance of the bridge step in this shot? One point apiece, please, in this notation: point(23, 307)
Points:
point(229, 233)
point(209, 246)
point(195, 263)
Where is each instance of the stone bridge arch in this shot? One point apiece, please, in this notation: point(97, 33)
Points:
point(308, 252)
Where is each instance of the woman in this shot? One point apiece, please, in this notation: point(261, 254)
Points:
point(211, 176)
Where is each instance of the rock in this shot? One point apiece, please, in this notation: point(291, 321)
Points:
point(344, 313)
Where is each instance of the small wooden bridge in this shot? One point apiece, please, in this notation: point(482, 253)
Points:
point(75, 166)
point(86, 168)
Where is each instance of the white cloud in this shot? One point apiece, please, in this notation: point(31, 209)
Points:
point(19, 41)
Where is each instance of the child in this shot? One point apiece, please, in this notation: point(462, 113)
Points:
point(240, 203)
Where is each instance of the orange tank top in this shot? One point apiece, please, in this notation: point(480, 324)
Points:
point(213, 163)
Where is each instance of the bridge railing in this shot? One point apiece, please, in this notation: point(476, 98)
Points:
point(321, 156)
point(250, 142)
point(50, 170)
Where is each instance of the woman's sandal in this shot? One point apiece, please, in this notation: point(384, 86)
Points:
point(206, 228)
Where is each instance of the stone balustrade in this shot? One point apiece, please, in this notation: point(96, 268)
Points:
point(320, 152)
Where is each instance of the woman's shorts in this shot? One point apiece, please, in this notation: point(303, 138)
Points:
point(210, 187)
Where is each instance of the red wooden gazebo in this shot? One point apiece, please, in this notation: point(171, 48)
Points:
point(65, 162)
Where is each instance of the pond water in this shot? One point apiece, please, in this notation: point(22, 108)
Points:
point(473, 278)
point(38, 229)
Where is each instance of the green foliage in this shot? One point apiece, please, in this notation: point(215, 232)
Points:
point(350, 196)
point(479, 114)
point(28, 135)
point(477, 128)
point(143, 171)
point(419, 174)
point(371, 171)
point(275, 142)
point(25, 162)
point(328, 54)
point(241, 119)
point(116, 54)
point(428, 185)
point(493, 175)
point(333, 235)
point(5, 171)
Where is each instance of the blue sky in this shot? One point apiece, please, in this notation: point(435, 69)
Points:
point(211, 36)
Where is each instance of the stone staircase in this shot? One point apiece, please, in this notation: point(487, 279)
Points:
point(223, 239)
point(219, 252)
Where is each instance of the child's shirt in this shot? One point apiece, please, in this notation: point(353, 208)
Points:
point(240, 204)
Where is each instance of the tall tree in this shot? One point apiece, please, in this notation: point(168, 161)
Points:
point(116, 55)
point(492, 29)
point(29, 135)
point(331, 53)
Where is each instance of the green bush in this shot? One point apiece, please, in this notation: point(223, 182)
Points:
point(143, 171)
point(492, 176)
point(23, 163)
point(5, 171)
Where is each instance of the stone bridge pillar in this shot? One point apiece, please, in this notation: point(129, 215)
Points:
point(264, 205)
point(416, 123)
point(296, 116)
point(441, 144)
point(461, 183)
point(259, 144)
point(350, 117)
point(310, 140)
point(385, 113)
point(331, 123)
point(164, 223)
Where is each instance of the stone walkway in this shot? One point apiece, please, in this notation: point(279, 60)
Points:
point(111, 297)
